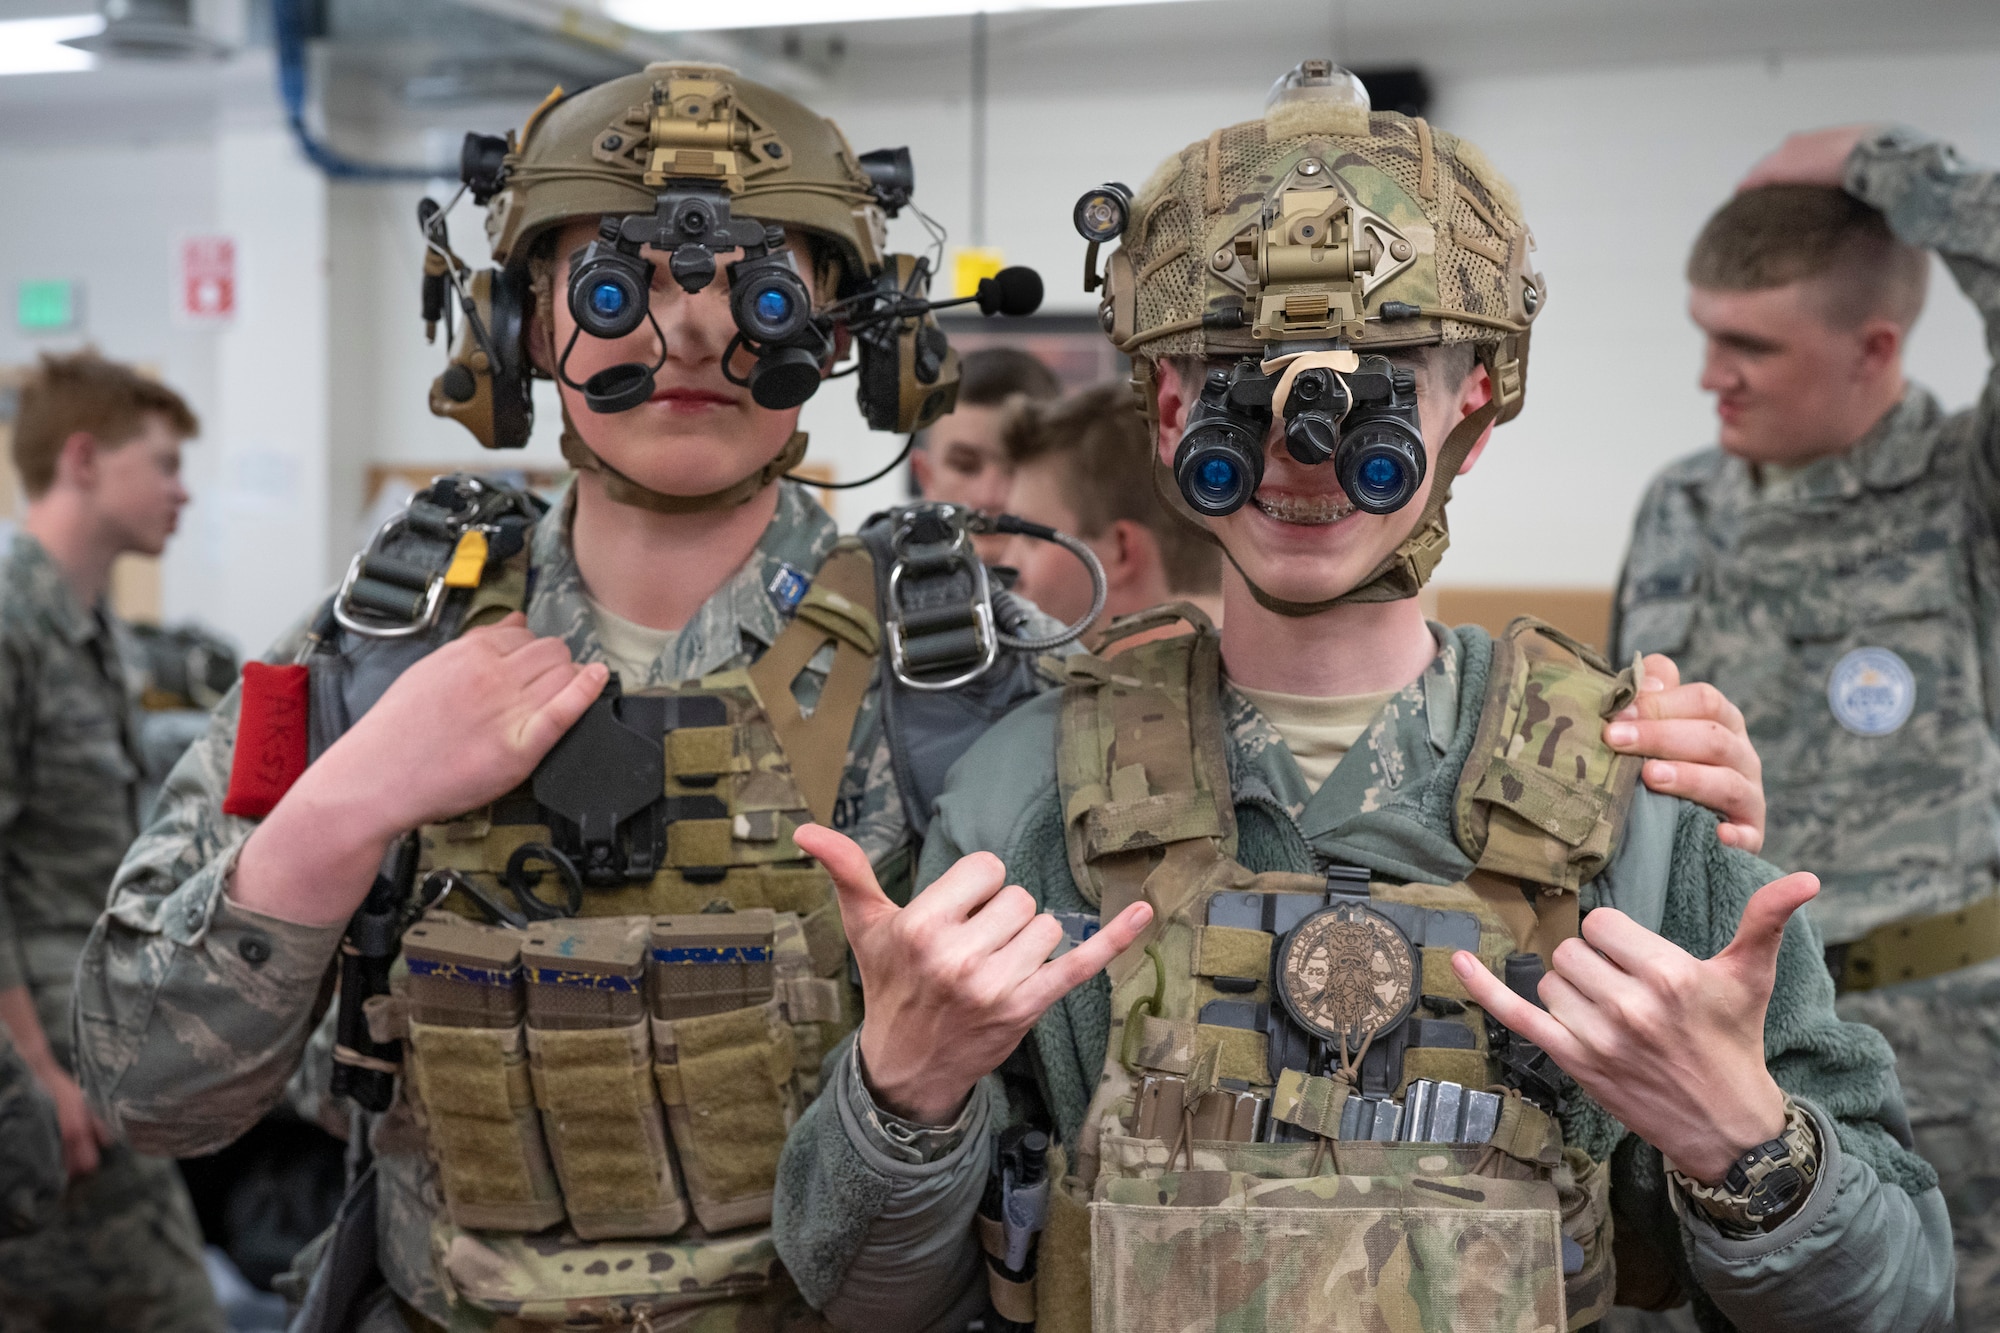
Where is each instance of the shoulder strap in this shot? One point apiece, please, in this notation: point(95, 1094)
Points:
point(1543, 800)
point(1140, 758)
point(836, 610)
point(456, 558)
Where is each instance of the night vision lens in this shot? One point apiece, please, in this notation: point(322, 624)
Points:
point(1381, 466)
point(1219, 469)
point(607, 293)
point(771, 306)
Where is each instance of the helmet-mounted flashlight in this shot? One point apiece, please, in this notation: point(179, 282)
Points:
point(1101, 214)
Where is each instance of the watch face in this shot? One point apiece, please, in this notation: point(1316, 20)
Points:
point(1775, 1192)
point(1347, 974)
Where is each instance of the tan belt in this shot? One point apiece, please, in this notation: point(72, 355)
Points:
point(1924, 946)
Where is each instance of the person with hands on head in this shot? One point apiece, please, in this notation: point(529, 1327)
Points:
point(1831, 564)
point(1347, 845)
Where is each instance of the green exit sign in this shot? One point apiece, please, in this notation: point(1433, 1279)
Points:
point(47, 306)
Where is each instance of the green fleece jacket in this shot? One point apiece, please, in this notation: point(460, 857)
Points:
point(883, 1242)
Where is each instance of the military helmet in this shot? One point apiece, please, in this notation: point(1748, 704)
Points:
point(591, 153)
point(1322, 219)
point(631, 147)
point(1319, 232)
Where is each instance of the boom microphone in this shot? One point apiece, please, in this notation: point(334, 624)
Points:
point(1012, 291)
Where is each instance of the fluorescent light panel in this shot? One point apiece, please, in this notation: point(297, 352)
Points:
point(706, 15)
point(35, 46)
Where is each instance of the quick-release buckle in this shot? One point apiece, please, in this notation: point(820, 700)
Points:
point(942, 637)
point(385, 596)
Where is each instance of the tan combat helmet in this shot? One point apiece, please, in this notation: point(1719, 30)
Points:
point(1322, 230)
point(612, 150)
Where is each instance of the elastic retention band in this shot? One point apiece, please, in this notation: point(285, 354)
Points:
point(626, 491)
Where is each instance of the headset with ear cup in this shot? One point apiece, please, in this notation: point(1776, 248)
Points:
point(485, 386)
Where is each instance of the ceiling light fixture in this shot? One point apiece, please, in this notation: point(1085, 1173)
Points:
point(35, 46)
point(685, 16)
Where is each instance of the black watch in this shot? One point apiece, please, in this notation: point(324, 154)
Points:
point(1763, 1185)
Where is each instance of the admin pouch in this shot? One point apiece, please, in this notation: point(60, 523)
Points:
point(1303, 1118)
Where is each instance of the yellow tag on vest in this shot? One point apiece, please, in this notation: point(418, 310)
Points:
point(468, 561)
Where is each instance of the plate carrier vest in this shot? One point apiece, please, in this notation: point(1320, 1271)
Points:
point(1286, 1131)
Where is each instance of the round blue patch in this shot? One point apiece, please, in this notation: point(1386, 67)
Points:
point(1871, 691)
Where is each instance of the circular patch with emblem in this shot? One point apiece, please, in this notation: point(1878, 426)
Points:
point(1347, 974)
point(1871, 691)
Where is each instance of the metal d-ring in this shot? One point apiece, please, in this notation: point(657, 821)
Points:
point(515, 877)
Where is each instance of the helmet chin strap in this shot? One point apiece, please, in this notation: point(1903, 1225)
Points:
point(1404, 570)
point(626, 491)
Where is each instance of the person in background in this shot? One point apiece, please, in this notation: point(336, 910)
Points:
point(961, 458)
point(1832, 567)
point(1074, 462)
point(98, 447)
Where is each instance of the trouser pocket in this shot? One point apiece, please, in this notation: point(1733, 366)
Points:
point(604, 1128)
point(475, 1091)
point(727, 1083)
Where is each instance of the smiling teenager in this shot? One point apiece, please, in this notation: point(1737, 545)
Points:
point(1412, 983)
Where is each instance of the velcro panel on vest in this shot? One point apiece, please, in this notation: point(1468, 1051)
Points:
point(479, 1106)
point(1231, 951)
point(595, 1090)
point(727, 1082)
point(694, 753)
point(1239, 1052)
point(1542, 798)
point(1468, 1069)
point(1310, 1101)
point(700, 842)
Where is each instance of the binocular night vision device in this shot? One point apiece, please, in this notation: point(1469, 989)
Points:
point(1362, 420)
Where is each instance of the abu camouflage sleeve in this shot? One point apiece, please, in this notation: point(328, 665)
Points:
point(191, 1013)
point(1934, 200)
point(15, 716)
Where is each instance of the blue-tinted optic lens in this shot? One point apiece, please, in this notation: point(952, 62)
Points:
point(773, 306)
point(1217, 476)
point(607, 299)
point(1382, 475)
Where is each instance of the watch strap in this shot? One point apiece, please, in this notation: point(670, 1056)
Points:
point(1763, 1185)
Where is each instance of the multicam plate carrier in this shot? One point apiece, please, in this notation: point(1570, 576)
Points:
point(1303, 1120)
point(620, 986)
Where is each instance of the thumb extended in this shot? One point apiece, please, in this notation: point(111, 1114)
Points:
point(1762, 929)
point(862, 901)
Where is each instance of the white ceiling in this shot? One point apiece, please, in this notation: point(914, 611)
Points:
point(1064, 53)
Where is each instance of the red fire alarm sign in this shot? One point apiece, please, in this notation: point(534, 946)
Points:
point(208, 279)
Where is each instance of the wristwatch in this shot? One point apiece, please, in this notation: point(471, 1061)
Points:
point(1763, 1185)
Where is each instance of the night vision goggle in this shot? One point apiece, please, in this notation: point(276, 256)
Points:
point(1357, 412)
point(610, 289)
